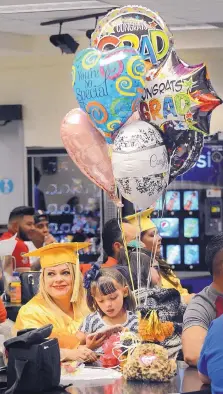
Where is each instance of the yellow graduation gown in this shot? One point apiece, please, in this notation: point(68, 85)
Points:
point(37, 313)
point(177, 285)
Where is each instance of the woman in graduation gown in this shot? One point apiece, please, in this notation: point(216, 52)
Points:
point(152, 245)
point(60, 300)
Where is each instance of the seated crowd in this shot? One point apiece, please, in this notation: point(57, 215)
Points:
point(110, 289)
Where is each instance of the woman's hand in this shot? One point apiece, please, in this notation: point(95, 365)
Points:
point(95, 341)
point(82, 353)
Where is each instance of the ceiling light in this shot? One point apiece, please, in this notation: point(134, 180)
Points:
point(89, 33)
point(47, 7)
point(65, 42)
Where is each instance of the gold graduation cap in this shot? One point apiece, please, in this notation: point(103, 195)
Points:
point(142, 219)
point(58, 253)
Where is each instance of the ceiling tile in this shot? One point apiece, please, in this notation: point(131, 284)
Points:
point(174, 12)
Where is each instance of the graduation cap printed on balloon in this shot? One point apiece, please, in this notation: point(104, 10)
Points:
point(179, 97)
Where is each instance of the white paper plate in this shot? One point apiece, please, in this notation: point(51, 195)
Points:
point(90, 376)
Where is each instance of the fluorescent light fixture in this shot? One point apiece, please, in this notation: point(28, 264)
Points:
point(47, 7)
point(193, 27)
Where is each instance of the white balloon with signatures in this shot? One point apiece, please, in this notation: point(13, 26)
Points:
point(140, 163)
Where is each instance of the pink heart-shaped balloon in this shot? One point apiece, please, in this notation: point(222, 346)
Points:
point(88, 150)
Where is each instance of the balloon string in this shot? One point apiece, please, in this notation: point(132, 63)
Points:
point(114, 196)
point(110, 151)
point(101, 257)
point(151, 263)
point(154, 245)
point(126, 249)
point(138, 254)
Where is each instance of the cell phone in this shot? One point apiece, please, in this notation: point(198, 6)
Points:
point(107, 331)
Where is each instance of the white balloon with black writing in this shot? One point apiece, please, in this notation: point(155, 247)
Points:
point(140, 163)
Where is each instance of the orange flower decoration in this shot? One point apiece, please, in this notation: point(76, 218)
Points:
point(151, 329)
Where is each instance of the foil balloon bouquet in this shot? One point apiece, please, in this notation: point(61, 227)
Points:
point(143, 112)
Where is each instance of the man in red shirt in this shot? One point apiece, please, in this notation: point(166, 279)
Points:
point(21, 222)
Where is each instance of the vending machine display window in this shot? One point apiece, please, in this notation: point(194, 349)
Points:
point(158, 206)
point(191, 254)
point(191, 200)
point(167, 227)
point(191, 227)
point(172, 200)
point(173, 253)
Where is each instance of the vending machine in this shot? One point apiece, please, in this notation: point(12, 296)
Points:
point(190, 212)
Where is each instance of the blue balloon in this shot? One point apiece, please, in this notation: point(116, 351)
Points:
point(109, 86)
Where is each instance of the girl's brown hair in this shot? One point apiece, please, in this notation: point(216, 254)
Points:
point(105, 284)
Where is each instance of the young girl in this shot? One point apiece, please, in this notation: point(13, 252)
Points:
point(112, 303)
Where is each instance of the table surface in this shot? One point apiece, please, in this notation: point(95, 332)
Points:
point(186, 381)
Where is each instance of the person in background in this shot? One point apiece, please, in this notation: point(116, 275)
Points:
point(21, 224)
point(113, 243)
point(40, 237)
point(116, 255)
point(152, 245)
point(111, 302)
point(206, 305)
point(39, 198)
point(61, 299)
point(210, 366)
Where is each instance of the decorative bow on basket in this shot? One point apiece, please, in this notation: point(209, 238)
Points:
point(151, 329)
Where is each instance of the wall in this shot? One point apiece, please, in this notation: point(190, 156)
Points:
point(42, 84)
point(12, 191)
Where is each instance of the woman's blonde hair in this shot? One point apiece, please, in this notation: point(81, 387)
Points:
point(78, 298)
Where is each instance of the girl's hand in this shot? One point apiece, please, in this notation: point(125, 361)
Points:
point(95, 341)
point(82, 353)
